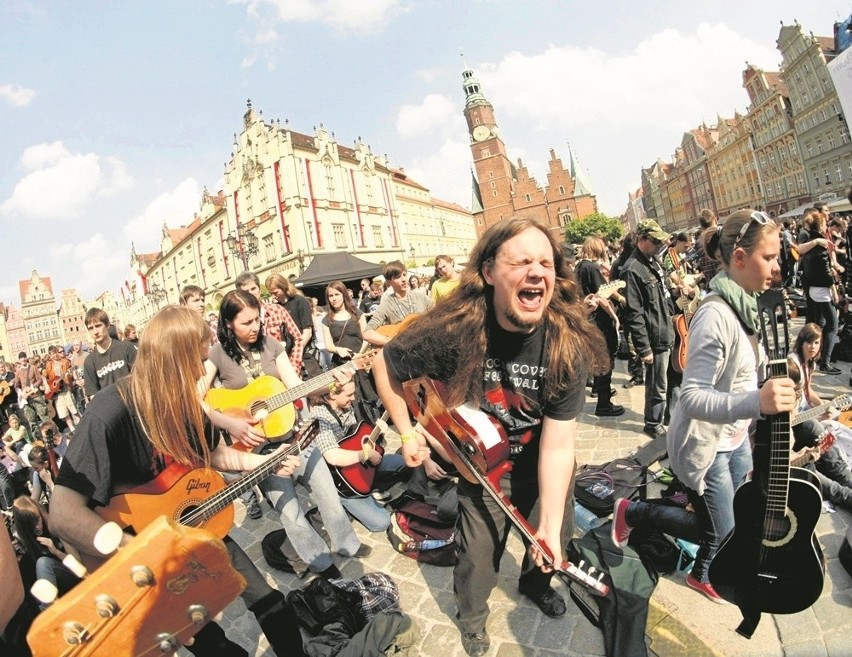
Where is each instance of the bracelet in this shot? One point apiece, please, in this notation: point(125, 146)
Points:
point(365, 453)
point(332, 387)
point(407, 437)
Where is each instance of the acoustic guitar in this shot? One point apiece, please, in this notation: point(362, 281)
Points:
point(772, 561)
point(478, 446)
point(267, 399)
point(150, 598)
point(194, 497)
point(839, 403)
point(356, 480)
point(5, 390)
point(392, 330)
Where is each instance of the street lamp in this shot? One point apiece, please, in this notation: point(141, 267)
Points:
point(242, 244)
point(413, 252)
point(156, 293)
point(300, 256)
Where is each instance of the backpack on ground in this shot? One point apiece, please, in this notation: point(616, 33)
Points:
point(597, 487)
point(418, 532)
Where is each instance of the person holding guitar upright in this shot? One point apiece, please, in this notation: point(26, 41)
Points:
point(242, 354)
point(135, 429)
point(708, 438)
point(590, 278)
point(515, 341)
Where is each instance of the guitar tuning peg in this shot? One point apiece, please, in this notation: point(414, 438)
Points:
point(72, 564)
point(43, 591)
point(108, 538)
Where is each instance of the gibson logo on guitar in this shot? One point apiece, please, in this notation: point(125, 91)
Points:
point(197, 484)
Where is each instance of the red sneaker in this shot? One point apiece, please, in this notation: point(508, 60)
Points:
point(707, 589)
point(620, 530)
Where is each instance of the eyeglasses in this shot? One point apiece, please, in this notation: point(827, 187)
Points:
point(760, 217)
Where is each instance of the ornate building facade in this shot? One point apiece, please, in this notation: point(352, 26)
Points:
point(502, 189)
point(289, 197)
point(38, 310)
point(733, 168)
point(72, 317)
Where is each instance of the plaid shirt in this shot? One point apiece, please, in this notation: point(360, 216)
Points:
point(377, 590)
point(331, 432)
point(273, 317)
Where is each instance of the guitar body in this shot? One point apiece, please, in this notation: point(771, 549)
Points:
point(391, 330)
point(175, 493)
point(681, 343)
point(356, 480)
point(253, 402)
point(167, 582)
point(5, 390)
point(54, 385)
point(782, 573)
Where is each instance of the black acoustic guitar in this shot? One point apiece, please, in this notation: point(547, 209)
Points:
point(772, 561)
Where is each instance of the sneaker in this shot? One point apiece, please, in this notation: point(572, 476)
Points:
point(254, 511)
point(381, 495)
point(476, 644)
point(549, 601)
point(332, 572)
point(633, 382)
point(612, 410)
point(829, 369)
point(620, 530)
point(706, 588)
point(363, 551)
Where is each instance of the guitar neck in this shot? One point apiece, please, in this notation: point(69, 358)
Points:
point(230, 493)
point(306, 388)
point(812, 413)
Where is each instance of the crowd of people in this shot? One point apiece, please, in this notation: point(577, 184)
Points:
point(527, 331)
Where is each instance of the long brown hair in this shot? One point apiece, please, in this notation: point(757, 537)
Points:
point(348, 304)
point(26, 514)
point(454, 334)
point(163, 387)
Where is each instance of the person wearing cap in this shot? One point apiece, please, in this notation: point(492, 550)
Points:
point(648, 317)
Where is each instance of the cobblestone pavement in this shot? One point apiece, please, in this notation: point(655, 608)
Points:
point(680, 621)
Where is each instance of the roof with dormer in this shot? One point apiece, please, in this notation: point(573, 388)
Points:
point(24, 285)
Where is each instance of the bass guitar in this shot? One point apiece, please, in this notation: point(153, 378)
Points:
point(149, 599)
point(356, 480)
point(194, 497)
point(268, 401)
point(479, 448)
point(772, 561)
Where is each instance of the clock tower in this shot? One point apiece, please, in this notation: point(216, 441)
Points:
point(493, 171)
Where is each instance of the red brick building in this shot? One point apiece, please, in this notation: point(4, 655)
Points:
point(502, 189)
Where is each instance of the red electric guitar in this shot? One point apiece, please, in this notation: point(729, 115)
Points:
point(479, 448)
point(356, 480)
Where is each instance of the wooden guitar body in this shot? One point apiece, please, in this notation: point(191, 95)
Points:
point(148, 599)
point(783, 571)
point(356, 480)
point(5, 390)
point(175, 493)
point(681, 343)
point(392, 330)
point(253, 402)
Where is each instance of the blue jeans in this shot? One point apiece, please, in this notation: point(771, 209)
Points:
point(368, 511)
point(314, 475)
point(655, 390)
point(713, 516)
point(54, 571)
point(825, 314)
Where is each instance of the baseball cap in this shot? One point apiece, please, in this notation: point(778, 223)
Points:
point(650, 228)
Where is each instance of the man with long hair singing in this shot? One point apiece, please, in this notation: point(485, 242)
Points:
point(514, 340)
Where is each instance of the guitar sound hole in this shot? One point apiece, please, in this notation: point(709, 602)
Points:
point(780, 529)
point(187, 519)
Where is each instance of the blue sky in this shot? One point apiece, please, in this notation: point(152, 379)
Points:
point(115, 115)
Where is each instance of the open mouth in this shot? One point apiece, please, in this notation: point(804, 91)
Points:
point(531, 298)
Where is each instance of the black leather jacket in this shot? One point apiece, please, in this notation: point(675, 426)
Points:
point(648, 312)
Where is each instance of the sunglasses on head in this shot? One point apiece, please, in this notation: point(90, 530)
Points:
point(760, 217)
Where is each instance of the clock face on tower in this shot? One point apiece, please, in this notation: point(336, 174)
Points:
point(481, 133)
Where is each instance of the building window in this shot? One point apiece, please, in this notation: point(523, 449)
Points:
point(377, 237)
point(839, 174)
point(269, 248)
point(329, 179)
point(528, 198)
point(494, 193)
point(830, 140)
point(339, 235)
point(562, 189)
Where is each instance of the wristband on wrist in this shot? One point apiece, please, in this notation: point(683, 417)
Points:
point(365, 453)
point(407, 437)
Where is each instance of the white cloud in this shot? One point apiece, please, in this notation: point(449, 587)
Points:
point(16, 95)
point(61, 183)
point(344, 15)
point(434, 112)
point(96, 261)
point(446, 173)
point(174, 208)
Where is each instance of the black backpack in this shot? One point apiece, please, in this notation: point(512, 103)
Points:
point(418, 532)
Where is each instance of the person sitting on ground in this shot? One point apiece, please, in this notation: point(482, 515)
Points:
point(16, 435)
point(333, 410)
point(41, 547)
point(708, 439)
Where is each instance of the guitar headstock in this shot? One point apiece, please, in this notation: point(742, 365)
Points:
point(774, 332)
point(306, 434)
point(150, 598)
point(363, 361)
point(842, 403)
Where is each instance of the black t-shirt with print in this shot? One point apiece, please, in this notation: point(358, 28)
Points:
point(110, 450)
point(514, 372)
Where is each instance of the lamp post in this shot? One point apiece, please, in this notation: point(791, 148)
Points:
point(242, 244)
point(300, 256)
point(157, 294)
point(413, 252)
